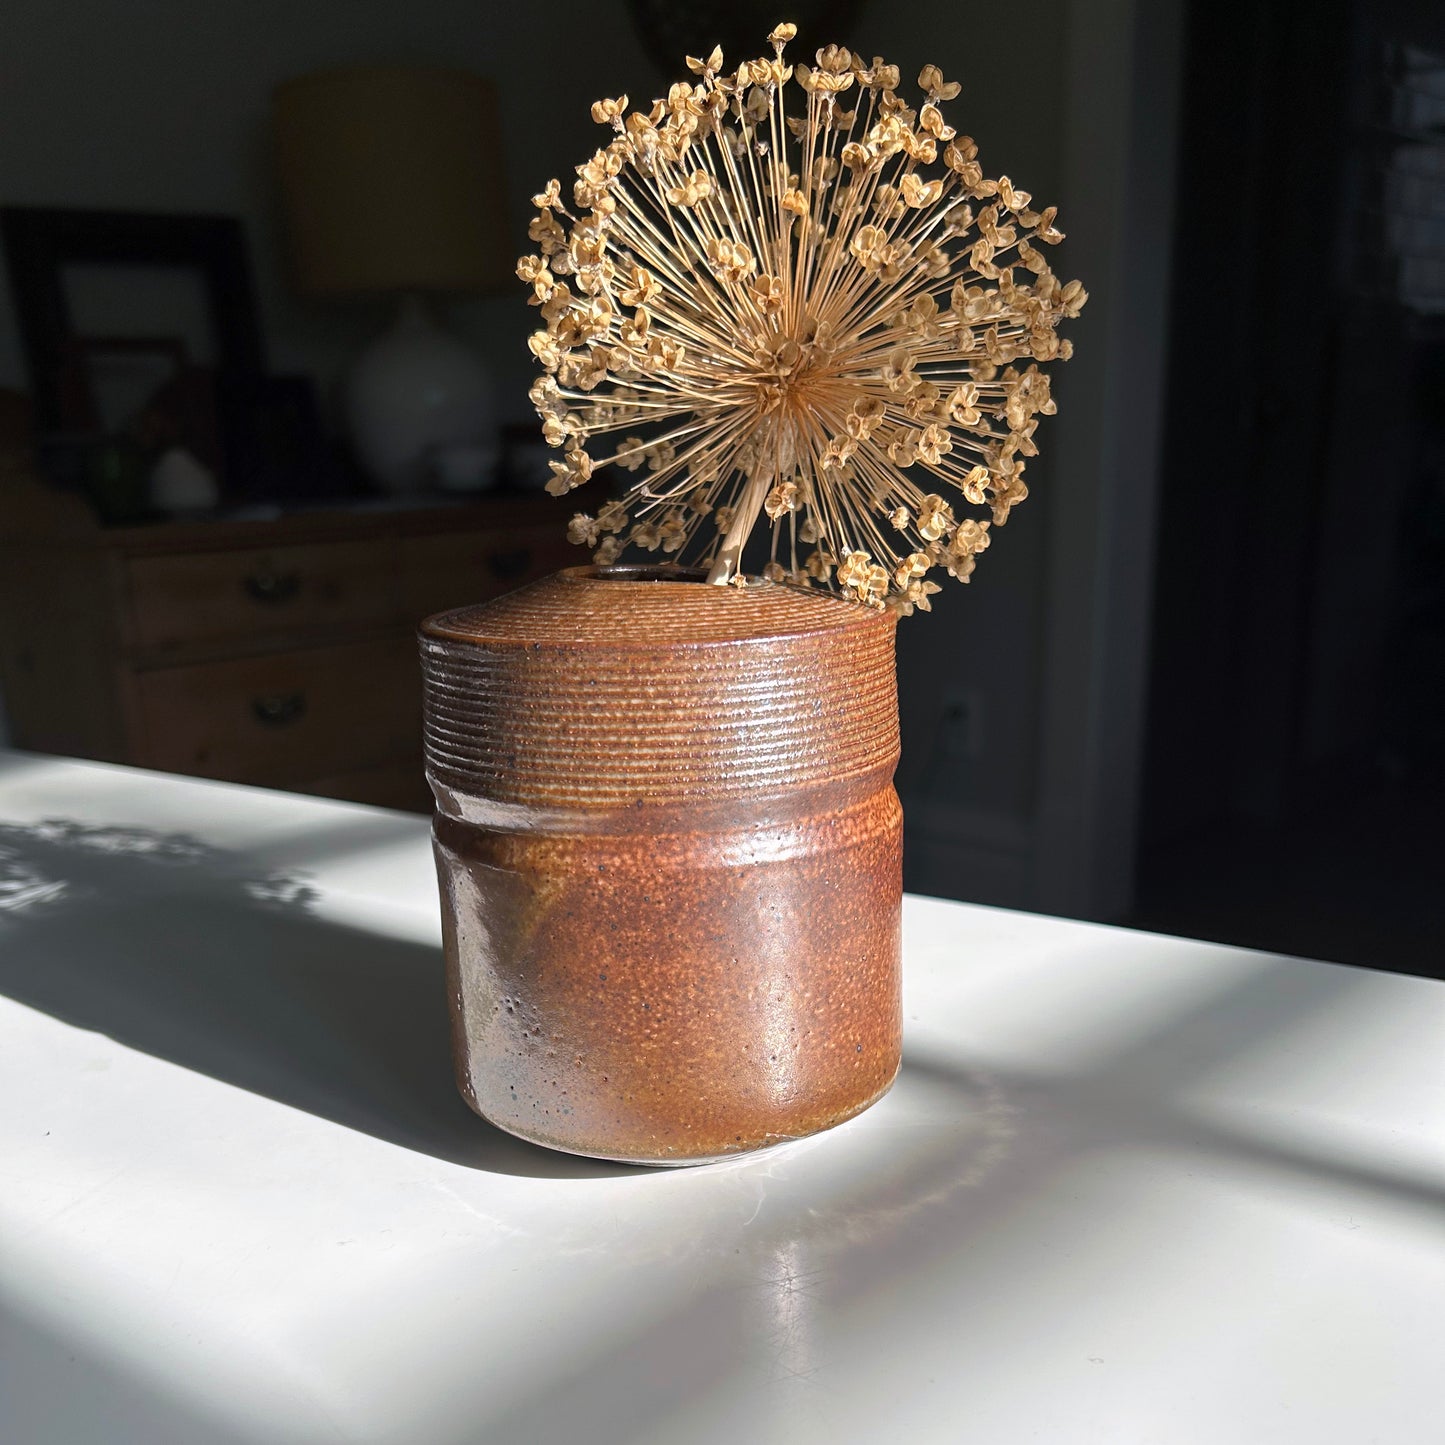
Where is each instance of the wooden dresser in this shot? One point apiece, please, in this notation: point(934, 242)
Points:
point(277, 652)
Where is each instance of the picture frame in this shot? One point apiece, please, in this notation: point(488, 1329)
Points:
point(205, 254)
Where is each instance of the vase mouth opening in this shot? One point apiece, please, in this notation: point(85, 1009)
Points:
point(637, 572)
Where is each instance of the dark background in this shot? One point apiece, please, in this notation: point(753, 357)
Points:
point(1293, 769)
point(1196, 685)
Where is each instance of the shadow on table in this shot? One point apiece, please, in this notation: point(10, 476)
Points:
point(977, 1196)
point(194, 955)
point(57, 1386)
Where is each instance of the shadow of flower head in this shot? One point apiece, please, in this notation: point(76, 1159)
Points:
point(61, 860)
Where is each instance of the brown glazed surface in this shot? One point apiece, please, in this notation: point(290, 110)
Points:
point(670, 860)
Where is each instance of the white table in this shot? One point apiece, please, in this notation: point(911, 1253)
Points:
point(1128, 1188)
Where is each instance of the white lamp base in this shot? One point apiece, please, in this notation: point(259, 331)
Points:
point(416, 400)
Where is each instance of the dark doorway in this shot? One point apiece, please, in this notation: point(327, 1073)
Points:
point(1294, 783)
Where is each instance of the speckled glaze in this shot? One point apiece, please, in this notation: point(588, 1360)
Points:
point(670, 860)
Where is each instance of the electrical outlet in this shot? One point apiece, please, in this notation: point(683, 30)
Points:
point(960, 727)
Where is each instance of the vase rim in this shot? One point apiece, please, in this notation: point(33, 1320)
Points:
point(576, 607)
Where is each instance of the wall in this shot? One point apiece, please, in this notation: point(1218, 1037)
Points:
point(968, 785)
point(162, 105)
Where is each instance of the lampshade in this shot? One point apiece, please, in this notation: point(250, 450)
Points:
point(392, 181)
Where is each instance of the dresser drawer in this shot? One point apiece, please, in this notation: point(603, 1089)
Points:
point(400, 784)
point(435, 574)
point(284, 718)
point(189, 599)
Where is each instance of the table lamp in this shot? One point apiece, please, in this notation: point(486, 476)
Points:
point(391, 181)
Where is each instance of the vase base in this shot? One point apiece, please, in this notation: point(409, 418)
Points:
point(677, 1160)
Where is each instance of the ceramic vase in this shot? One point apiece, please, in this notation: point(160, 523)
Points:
point(669, 850)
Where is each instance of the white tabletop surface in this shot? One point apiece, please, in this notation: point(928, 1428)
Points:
point(1127, 1189)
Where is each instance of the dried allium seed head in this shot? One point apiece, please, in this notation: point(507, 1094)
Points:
point(787, 294)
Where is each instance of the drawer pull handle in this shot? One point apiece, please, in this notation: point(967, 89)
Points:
point(272, 587)
point(510, 564)
point(278, 709)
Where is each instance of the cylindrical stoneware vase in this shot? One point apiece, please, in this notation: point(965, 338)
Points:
point(670, 860)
